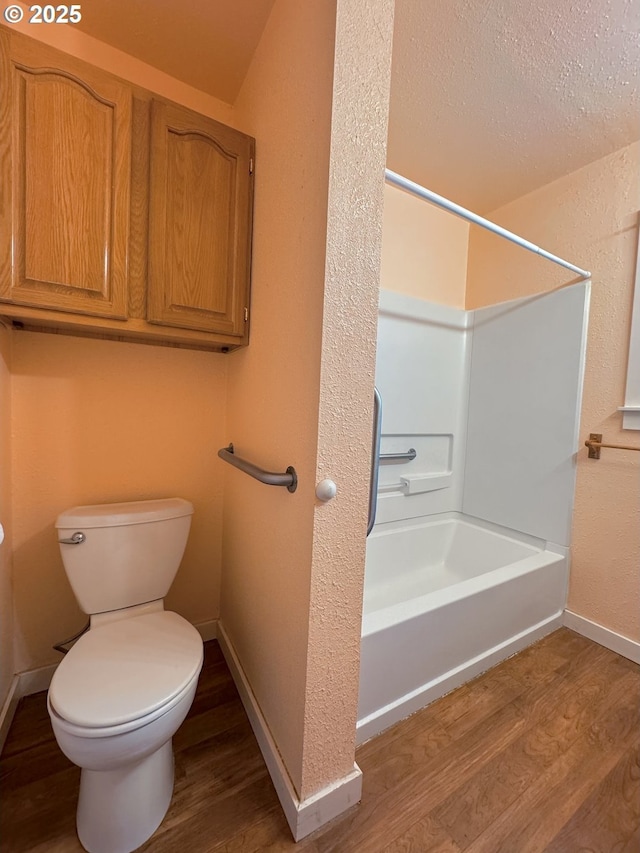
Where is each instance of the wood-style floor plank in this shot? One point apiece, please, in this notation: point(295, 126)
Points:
point(426, 834)
point(550, 797)
point(422, 785)
point(479, 802)
point(538, 755)
point(610, 812)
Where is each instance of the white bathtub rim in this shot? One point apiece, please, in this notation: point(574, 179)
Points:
point(386, 716)
point(400, 525)
point(378, 620)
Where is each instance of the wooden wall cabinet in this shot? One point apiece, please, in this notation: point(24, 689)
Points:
point(70, 150)
point(121, 215)
point(198, 221)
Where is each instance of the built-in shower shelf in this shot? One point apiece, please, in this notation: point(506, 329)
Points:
point(416, 484)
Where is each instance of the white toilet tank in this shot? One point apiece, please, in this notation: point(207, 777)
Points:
point(127, 553)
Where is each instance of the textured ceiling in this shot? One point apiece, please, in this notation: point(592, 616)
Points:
point(205, 43)
point(489, 98)
point(493, 98)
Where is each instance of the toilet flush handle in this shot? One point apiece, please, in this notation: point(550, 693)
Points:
point(77, 539)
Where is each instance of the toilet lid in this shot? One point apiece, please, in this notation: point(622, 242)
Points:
point(126, 669)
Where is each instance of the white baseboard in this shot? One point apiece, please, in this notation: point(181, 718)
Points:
point(8, 710)
point(604, 636)
point(303, 816)
point(23, 684)
point(208, 630)
point(36, 680)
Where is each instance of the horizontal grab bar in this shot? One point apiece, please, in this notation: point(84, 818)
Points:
point(409, 454)
point(288, 479)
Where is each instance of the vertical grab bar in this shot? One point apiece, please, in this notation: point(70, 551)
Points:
point(375, 457)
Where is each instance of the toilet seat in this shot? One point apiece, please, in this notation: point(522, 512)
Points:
point(122, 729)
point(126, 673)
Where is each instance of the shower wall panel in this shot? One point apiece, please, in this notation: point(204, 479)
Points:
point(524, 406)
point(421, 372)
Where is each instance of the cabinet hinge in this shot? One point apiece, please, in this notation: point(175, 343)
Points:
point(251, 166)
point(246, 315)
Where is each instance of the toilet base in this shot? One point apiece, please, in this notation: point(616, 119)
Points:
point(118, 810)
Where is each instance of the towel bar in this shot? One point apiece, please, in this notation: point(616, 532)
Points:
point(595, 443)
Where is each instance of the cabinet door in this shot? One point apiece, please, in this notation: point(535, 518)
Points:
point(70, 150)
point(199, 222)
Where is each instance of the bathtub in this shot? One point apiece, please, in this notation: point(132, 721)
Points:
point(444, 600)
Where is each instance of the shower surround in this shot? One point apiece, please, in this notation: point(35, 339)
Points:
point(468, 562)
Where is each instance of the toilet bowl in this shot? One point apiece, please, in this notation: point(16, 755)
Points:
point(115, 703)
point(122, 691)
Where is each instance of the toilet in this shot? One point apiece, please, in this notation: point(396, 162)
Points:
point(120, 694)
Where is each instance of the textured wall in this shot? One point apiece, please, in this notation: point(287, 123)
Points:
point(285, 103)
point(493, 99)
point(354, 236)
point(301, 393)
point(208, 45)
point(100, 421)
point(6, 598)
point(590, 218)
point(71, 40)
point(424, 250)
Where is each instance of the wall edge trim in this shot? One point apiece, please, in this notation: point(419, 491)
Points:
point(9, 709)
point(208, 630)
point(303, 816)
point(22, 684)
point(603, 636)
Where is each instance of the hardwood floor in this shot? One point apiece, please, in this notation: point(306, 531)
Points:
point(542, 753)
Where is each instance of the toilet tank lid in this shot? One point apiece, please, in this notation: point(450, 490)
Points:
point(122, 514)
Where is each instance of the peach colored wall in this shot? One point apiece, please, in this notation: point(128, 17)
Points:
point(7, 667)
point(285, 103)
point(589, 217)
point(424, 250)
point(292, 570)
point(98, 392)
point(97, 421)
point(76, 43)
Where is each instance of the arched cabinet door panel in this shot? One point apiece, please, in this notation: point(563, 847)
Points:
point(200, 209)
point(69, 149)
point(121, 215)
